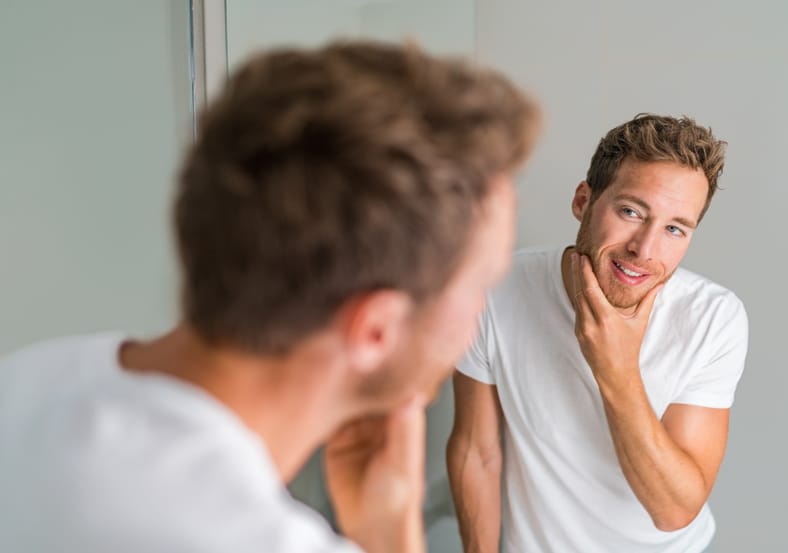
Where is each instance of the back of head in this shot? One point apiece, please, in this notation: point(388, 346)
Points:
point(650, 137)
point(321, 174)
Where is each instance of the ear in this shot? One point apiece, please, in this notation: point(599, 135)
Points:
point(582, 200)
point(374, 325)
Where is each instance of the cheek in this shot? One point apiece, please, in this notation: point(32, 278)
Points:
point(455, 326)
point(610, 232)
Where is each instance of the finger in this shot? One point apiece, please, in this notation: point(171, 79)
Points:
point(645, 306)
point(575, 271)
point(583, 310)
point(405, 438)
point(593, 296)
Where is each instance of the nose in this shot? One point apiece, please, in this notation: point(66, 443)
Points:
point(643, 242)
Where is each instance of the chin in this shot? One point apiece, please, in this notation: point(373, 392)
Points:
point(622, 303)
point(620, 296)
point(627, 298)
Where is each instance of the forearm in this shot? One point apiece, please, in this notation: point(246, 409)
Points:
point(665, 479)
point(476, 488)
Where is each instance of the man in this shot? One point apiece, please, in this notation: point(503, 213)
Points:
point(605, 369)
point(339, 220)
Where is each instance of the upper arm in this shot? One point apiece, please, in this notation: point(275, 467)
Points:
point(721, 358)
point(697, 420)
point(702, 433)
point(477, 415)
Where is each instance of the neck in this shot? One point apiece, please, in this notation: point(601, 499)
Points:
point(290, 401)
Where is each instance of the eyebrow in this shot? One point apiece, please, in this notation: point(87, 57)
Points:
point(644, 205)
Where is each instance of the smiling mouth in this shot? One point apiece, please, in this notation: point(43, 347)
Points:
point(628, 272)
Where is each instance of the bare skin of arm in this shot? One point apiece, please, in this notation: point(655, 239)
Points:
point(670, 464)
point(375, 477)
point(474, 460)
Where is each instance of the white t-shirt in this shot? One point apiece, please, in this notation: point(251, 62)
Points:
point(563, 488)
point(96, 459)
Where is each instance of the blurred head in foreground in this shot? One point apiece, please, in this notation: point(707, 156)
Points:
point(355, 199)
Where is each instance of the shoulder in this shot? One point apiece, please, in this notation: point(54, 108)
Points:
point(535, 256)
point(531, 290)
point(529, 266)
point(698, 309)
point(689, 291)
point(32, 377)
point(62, 350)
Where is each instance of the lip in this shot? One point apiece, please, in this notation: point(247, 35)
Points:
point(625, 278)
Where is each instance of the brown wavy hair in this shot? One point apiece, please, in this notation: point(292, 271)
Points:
point(321, 174)
point(650, 137)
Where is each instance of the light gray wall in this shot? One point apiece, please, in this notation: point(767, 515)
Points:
point(596, 64)
point(94, 110)
point(445, 26)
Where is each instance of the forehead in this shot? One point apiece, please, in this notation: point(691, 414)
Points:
point(664, 186)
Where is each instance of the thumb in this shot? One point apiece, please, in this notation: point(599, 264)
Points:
point(406, 435)
point(647, 303)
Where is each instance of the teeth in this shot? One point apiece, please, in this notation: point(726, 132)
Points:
point(627, 271)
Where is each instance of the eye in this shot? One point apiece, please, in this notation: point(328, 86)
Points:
point(675, 231)
point(629, 212)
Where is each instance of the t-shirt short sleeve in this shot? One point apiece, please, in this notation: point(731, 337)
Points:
point(722, 362)
point(477, 362)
